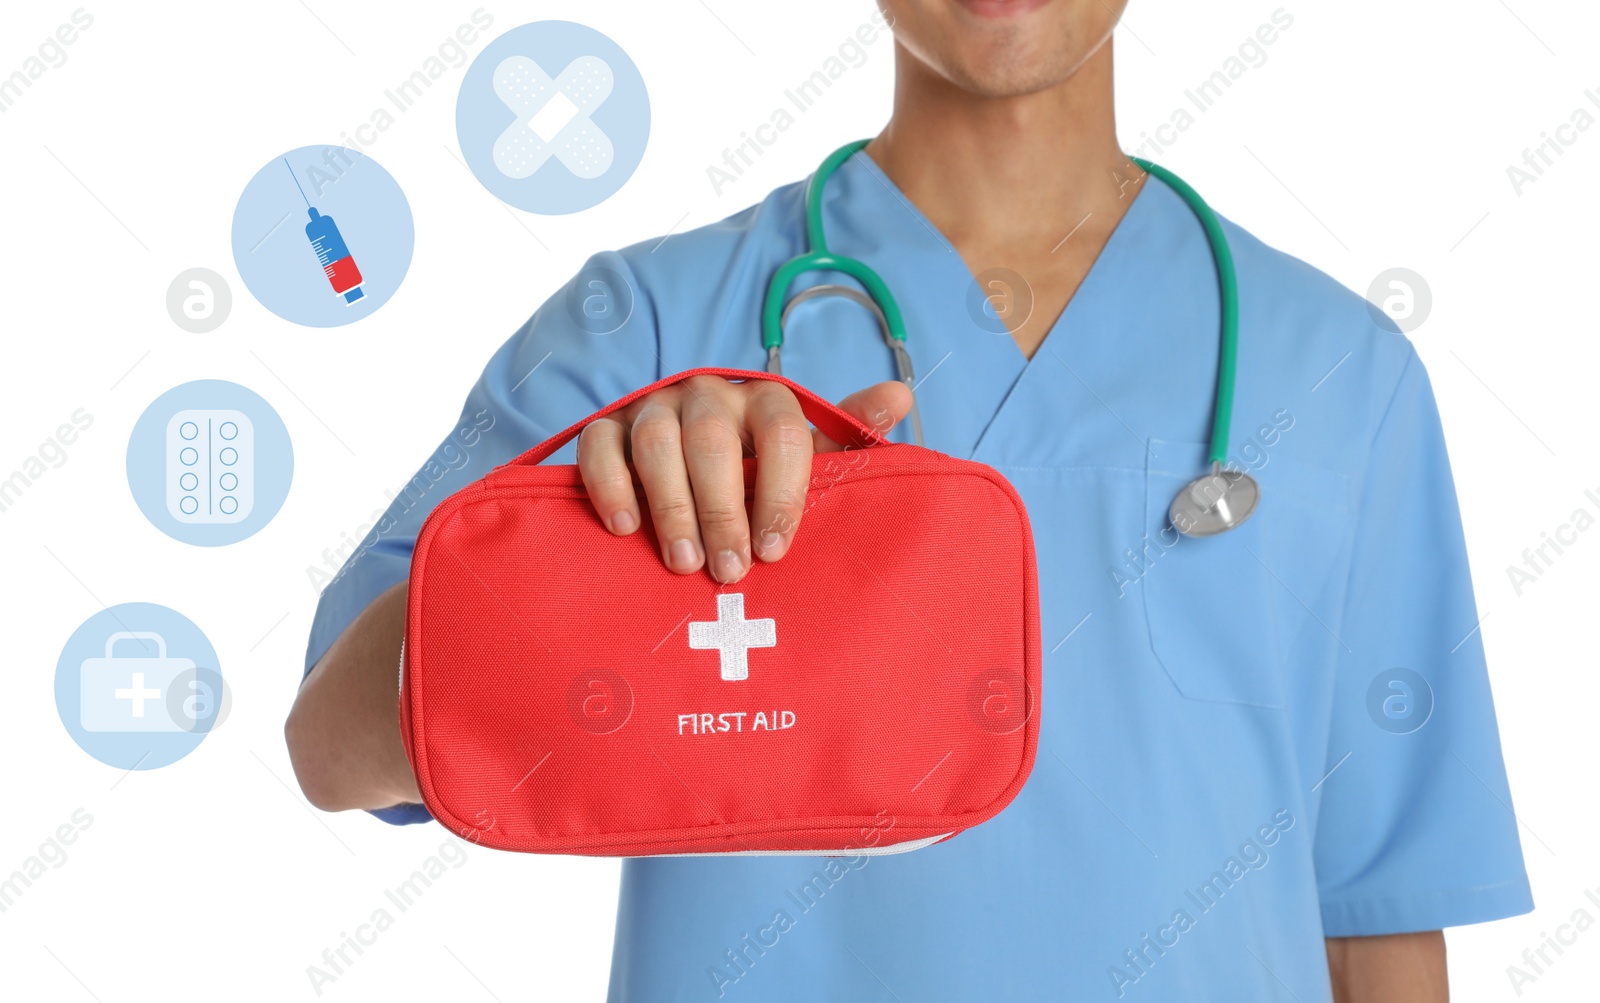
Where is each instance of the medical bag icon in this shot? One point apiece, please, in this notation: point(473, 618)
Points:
point(138, 686)
point(210, 465)
point(130, 691)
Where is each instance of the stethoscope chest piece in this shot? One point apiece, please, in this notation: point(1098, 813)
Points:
point(1215, 502)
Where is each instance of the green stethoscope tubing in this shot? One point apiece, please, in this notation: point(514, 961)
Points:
point(818, 258)
point(1228, 291)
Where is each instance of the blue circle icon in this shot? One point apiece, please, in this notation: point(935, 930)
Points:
point(599, 300)
point(209, 463)
point(553, 117)
point(138, 686)
point(322, 236)
point(999, 298)
point(1399, 701)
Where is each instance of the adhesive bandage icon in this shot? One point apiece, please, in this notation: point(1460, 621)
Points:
point(553, 117)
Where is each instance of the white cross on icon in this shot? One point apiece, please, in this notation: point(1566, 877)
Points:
point(136, 694)
point(732, 635)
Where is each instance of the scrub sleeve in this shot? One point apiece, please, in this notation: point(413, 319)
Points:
point(551, 373)
point(1416, 830)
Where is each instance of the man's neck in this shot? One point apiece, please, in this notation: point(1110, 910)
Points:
point(1006, 180)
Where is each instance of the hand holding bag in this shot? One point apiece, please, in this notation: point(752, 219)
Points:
point(875, 690)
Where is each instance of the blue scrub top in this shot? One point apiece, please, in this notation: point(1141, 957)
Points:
point(1248, 743)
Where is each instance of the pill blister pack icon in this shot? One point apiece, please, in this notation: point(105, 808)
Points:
point(210, 465)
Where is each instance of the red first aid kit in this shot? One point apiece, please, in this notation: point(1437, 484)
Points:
point(875, 690)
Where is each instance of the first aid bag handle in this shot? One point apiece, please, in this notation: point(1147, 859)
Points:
point(840, 426)
point(137, 635)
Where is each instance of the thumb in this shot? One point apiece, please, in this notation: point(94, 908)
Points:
point(880, 407)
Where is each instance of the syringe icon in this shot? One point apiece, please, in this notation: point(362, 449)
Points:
point(337, 263)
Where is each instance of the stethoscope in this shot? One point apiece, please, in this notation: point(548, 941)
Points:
point(1212, 503)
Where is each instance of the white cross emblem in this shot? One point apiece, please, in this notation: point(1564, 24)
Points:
point(136, 694)
point(553, 117)
point(732, 635)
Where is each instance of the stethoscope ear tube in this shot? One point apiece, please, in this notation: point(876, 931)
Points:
point(817, 258)
point(902, 364)
point(902, 358)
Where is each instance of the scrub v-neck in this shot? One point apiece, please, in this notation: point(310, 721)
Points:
point(1015, 364)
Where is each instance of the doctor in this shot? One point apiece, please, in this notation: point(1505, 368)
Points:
point(1269, 766)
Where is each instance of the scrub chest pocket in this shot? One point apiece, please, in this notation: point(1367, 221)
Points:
point(1223, 611)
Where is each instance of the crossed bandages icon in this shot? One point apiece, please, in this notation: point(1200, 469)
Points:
point(553, 117)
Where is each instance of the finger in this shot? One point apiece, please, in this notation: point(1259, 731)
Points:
point(783, 443)
point(713, 451)
point(657, 443)
point(879, 406)
point(605, 475)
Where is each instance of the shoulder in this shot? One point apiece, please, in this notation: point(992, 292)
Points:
point(1312, 346)
point(704, 257)
point(696, 291)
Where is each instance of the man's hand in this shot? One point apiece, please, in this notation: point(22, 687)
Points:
point(688, 441)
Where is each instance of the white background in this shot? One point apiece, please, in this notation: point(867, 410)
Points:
point(1377, 134)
